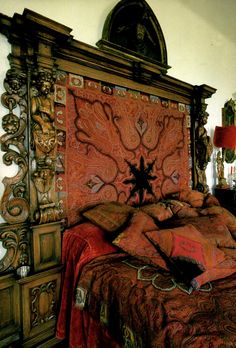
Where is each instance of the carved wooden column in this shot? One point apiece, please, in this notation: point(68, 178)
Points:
point(43, 148)
point(29, 85)
point(43, 135)
point(31, 235)
point(203, 147)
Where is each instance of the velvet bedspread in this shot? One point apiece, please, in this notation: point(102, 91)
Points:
point(81, 244)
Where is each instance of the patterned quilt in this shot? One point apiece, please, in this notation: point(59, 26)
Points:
point(143, 307)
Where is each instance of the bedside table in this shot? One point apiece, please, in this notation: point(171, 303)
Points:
point(227, 198)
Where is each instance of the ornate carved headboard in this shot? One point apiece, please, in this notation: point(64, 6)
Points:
point(84, 124)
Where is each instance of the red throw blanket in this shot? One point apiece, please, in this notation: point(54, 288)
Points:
point(81, 244)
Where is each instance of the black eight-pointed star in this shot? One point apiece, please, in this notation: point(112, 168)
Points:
point(141, 179)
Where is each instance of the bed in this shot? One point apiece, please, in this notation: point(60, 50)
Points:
point(111, 151)
point(148, 252)
point(142, 284)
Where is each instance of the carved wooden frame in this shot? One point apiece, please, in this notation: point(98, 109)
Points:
point(29, 196)
point(41, 49)
point(144, 28)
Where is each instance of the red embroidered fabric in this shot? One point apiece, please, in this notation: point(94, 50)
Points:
point(107, 134)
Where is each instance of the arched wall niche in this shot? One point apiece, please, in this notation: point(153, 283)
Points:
point(131, 28)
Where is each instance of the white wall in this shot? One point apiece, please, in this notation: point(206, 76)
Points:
point(200, 38)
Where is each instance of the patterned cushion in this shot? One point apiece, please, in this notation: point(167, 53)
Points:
point(193, 197)
point(212, 227)
point(159, 211)
point(182, 209)
point(109, 215)
point(210, 200)
point(229, 252)
point(222, 213)
point(192, 256)
point(133, 241)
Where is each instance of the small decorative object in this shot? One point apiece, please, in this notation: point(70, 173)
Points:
point(233, 178)
point(23, 271)
point(234, 186)
point(224, 137)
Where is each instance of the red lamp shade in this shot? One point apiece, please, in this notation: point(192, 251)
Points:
point(225, 137)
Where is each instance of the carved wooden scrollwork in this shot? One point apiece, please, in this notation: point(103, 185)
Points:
point(43, 303)
point(14, 203)
point(30, 194)
point(15, 240)
point(44, 146)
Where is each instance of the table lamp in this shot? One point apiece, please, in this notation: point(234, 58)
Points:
point(224, 137)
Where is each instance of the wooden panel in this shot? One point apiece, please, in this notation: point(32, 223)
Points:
point(9, 311)
point(50, 343)
point(46, 245)
point(40, 294)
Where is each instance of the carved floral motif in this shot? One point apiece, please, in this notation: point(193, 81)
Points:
point(16, 242)
point(43, 303)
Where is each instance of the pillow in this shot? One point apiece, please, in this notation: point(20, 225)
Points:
point(212, 228)
point(227, 218)
point(193, 197)
point(159, 211)
point(210, 200)
point(110, 216)
point(229, 252)
point(192, 257)
point(182, 209)
point(133, 241)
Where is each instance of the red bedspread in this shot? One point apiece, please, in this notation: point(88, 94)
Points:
point(111, 299)
point(154, 311)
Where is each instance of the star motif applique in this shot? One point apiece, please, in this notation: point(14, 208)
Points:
point(141, 179)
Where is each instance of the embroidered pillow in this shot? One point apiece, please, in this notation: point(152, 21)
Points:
point(182, 209)
point(133, 241)
point(110, 216)
point(192, 257)
point(212, 227)
point(193, 197)
point(222, 213)
point(159, 211)
point(210, 200)
point(229, 252)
